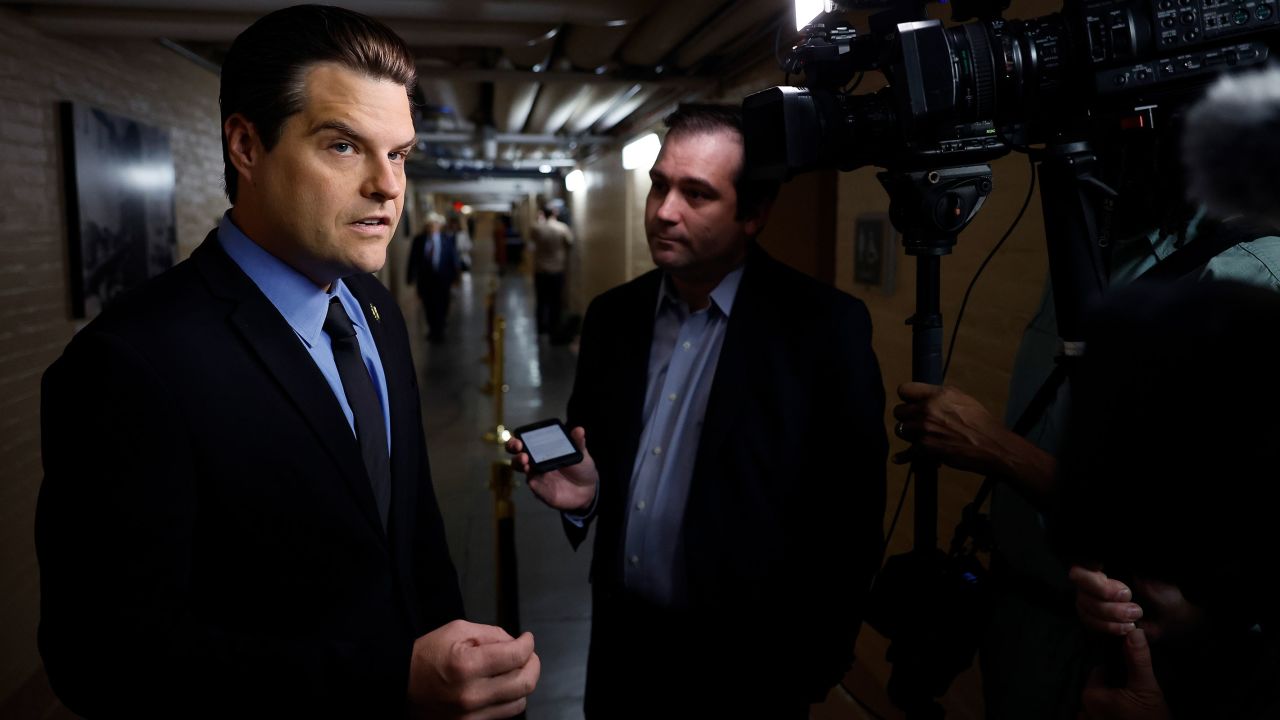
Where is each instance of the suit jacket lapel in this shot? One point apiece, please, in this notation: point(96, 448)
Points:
point(633, 367)
point(743, 338)
point(267, 333)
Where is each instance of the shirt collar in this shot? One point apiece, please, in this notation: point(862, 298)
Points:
point(303, 304)
point(722, 296)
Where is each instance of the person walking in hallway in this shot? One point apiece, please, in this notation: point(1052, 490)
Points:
point(552, 240)
point(433, 268)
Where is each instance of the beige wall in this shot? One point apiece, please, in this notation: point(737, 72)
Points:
point(600, 216)
point(139, 80)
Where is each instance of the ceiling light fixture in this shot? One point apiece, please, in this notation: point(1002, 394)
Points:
point(807, 10)
point(575, 181)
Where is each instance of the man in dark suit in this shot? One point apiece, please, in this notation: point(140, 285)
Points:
point(433, 267)
point(237, 517)
point(733, 411)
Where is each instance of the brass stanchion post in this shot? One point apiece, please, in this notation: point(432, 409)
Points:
point(499, 434)
point(504, 514)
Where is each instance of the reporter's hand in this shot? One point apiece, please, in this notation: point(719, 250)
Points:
point(569, 489)
point(466, 671)
point(1103, 604)
point(1141, 697)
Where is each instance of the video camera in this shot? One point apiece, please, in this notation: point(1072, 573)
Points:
point(969, 93)
point(957, 98)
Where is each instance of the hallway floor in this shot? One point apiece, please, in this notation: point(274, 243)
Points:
point(554, 596)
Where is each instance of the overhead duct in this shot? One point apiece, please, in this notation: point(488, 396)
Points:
point(745, 17)
point(626, 104)
point(595, 101)
point(512, 103)
point(214, 26)
point(591, 46)
point(659, 33)
point(456, 102)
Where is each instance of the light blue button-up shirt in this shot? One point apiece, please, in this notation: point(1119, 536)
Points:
point(305, 306)
point(682, 364)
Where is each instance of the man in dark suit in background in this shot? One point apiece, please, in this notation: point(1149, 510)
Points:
point(433, 268)
point(733, 411)
point(237, 517)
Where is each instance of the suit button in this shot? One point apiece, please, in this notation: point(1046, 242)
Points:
point(635, 559)
point(657, 451)
point(640, 505)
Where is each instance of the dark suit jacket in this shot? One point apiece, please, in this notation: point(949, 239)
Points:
point(421, 270)
point(208, 539)
point(783, 529)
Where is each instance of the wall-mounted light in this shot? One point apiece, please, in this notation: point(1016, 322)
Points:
point(575, 181)
point(641, 153)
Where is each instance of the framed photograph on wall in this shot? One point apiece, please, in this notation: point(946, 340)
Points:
point(875, 252)
point(121, 221)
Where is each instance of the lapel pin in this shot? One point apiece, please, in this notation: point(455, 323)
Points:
point(373, 310)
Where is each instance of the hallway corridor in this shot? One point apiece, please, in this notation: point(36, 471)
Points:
point(554, 595)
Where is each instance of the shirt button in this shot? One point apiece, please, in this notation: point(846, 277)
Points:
point(640, 505)
point(635, 559)
point(672, 397)
point(657, 451)
point(687, 345)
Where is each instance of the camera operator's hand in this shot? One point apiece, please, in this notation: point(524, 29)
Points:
point(1103, 604)
point(956, 430)
point(570, 489)
point(1106, 605)
point(1141, 697)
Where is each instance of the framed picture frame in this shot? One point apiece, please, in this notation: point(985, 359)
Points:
point(121, 220)
point(875, 252)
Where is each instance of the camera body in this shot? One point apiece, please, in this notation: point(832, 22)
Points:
point(968, 93)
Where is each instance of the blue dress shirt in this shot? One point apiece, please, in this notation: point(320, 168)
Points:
point(304, 306)
point(682, 364)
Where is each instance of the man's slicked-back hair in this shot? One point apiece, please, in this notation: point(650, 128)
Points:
point(707, 118)
point(264, 74)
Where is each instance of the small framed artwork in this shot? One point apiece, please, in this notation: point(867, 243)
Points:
point(121, 221)
point(875, 252)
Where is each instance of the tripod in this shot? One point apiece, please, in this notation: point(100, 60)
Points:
point(927, 601)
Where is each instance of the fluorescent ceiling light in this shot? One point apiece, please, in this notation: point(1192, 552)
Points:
point(544, 169)
point(575, 181)
point(641, 153)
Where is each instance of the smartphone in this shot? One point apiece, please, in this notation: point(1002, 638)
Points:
point(548, 445)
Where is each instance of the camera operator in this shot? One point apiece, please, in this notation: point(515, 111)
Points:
point(1159, 416)
point(1033, 649)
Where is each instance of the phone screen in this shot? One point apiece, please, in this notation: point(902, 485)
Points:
point(547, 443)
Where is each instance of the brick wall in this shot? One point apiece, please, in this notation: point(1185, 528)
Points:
point(140, 80)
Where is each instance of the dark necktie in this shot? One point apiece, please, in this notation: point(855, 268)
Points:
point(363, 399)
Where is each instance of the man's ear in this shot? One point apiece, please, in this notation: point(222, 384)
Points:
point(755, 222)
point(244, 147)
